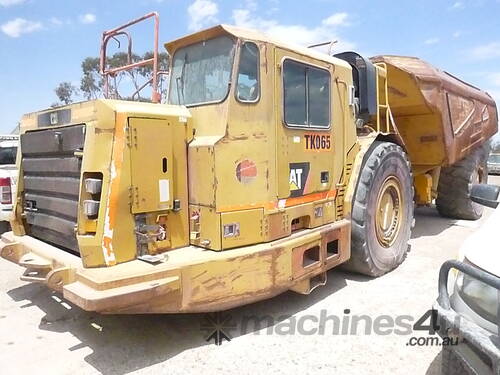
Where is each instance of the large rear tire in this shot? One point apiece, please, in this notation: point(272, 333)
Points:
point(455, 183)
point(382, 212)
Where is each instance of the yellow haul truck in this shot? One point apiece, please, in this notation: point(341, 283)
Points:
point(269, 165)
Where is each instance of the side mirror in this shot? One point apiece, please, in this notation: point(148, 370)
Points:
point(485, 194)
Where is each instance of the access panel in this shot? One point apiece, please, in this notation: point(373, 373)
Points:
point(150, 142)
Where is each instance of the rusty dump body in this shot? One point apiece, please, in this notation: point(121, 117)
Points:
point(440, 118)
point(239, 188)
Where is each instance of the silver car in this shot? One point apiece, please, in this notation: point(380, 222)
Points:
point(494, 164)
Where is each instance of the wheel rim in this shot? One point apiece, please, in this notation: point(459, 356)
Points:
point(389, 212)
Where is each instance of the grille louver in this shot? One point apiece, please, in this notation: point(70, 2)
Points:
point(52, 167)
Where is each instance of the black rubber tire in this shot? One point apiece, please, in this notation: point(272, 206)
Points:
point(4, 227)
point(451, 364)
point(368, 256)
point(455, 183)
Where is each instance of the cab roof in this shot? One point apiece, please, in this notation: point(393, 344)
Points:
point(249, 34)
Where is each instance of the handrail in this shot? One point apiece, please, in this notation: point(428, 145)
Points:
point(112, 34)
point(382, 84)
point(148, 82)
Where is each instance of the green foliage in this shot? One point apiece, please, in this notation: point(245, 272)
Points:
point(92, 83)
point(65, 92)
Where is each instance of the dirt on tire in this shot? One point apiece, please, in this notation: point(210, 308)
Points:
point(368, 256)
point(455, 183)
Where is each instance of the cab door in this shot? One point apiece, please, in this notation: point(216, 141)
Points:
point(305, 129)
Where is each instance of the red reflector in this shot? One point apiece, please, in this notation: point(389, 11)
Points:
point(5, 191)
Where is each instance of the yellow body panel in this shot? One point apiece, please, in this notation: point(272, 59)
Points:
point(423, 189)
point(246, 226)
point(152, 171)
point(205, 224)
point(111, 239)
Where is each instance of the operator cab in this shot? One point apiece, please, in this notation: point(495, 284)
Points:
point(271, 125)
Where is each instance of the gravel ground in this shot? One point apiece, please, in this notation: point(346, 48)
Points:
point(41, 333)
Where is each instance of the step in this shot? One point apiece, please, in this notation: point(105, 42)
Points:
point(35, 275)
point(90, 299)
point(36, 262)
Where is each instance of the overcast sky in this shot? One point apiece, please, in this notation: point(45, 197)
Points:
point(42, 42)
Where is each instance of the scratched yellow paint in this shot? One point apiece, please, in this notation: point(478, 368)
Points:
point(210, 146)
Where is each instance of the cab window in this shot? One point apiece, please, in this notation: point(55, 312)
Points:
point(306, 95)
point(201, 72)
point(247, 88)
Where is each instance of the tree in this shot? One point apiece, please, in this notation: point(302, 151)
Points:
point(65, 92)
point(92, 82)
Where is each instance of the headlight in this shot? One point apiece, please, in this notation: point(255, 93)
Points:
point(480, 297)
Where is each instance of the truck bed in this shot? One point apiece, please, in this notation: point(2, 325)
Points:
point(440, 118)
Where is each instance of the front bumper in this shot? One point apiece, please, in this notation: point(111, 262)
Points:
point(191, 279)
point(477, 348)
point(494, 169)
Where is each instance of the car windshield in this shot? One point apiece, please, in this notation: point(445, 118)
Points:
point(494, 159)
point(201, 72)
point(8, 155)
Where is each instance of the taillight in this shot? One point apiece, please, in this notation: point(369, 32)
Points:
point(5, 191)
point(93, 189)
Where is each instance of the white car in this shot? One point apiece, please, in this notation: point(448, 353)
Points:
point(471, 314)
point(8, 178)
point(494, 163)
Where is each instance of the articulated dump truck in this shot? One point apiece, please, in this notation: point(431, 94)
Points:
point(268, 165)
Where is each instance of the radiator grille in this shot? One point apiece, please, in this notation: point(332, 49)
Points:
point(51, 162)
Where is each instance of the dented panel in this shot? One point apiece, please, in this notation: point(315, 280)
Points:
point(441, 118)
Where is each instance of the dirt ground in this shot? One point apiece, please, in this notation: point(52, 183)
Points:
point(40, 333)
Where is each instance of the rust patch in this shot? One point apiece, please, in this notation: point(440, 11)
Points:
point(267, 179)
point(428, 138)
point(216, 284)
point(237, 277)
point(451, 106)
point(224, 303)
point(260, 135)
point(200, 274)
point(99, 131)
point(241, 137)
point(195, 290)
